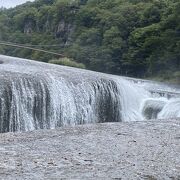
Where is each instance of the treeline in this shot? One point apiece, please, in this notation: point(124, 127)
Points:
point(138, 38)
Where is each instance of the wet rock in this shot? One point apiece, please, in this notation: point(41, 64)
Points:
point(150, 151)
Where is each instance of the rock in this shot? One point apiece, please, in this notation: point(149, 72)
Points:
point(94, 152)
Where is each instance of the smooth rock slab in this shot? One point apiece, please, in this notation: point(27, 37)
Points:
point(134, 150)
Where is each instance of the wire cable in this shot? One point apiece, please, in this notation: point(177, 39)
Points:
point(31, 48)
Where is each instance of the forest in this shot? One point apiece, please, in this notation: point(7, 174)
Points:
point(137, 38)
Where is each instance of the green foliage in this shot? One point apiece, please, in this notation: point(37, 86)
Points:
point(176, 76)
point(128, 37)
point(67, 62)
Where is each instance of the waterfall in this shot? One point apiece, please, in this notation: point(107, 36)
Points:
point(35, 95)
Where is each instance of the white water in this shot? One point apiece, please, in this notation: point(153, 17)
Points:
point(35, 95)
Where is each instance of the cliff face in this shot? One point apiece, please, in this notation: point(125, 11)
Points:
point(65, 31)
point(28, 28)
point(136, 150)
point(62, 29)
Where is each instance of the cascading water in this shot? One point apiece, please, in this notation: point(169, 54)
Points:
point(36, 95)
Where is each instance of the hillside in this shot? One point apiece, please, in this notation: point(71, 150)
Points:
point(139, 38)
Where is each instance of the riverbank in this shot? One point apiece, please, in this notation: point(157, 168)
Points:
point(167, 77)
point(133, 150)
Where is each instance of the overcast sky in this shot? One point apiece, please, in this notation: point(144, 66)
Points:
point(12, 3)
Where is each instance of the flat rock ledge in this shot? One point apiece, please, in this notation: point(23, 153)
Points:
point(135, 150)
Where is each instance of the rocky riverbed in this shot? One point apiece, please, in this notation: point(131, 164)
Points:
point(132, 150)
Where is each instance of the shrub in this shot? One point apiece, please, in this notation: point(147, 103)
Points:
point(67, 62)
point(177, 77)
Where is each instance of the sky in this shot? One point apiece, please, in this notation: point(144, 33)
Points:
point(12, 3)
